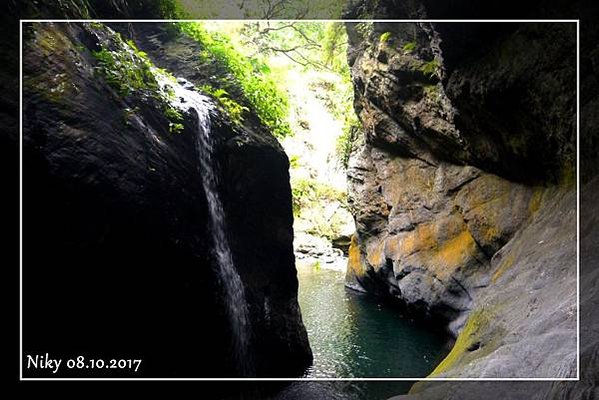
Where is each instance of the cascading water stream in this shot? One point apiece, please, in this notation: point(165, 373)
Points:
point(236, 306)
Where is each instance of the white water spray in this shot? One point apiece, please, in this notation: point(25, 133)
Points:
point(236, 305)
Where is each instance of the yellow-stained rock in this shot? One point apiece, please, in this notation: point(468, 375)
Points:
point(452, 254)
point(354, 261)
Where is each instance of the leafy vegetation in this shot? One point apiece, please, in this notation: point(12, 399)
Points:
point(385, 36)
point(365, 29)
point(251, 74)
point(129, 71)
point(257, 58)
point(307, 45)
point(409, 47)
point(168, 9)
point(261, 9)
point(431, 68)
point(320, 47)
point(311, 201)
point(294, 161)
point(346, 142)
point(126, 72)
point(306, 192)
point(231, 107)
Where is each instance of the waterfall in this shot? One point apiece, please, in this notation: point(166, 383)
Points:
point(236, 306)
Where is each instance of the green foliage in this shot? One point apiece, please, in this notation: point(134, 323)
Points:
point(170, 9)
point(365, 29)
point(233, 109)
point(294, 161)
point(385, 36)
point(175, 127)
point(131, 73)
point(317, 266)
point(312, 46)
point(129, 113)
point(175, 118)
point(431, 68)
point(431, 91)
point(261, 9)
point(409, 47)
point(346, 141)
point(307, 192)
point(259, 89)
point(338, 97)
point(312, 202)
point(257, 58)
point(335, 47)
point(126, 72)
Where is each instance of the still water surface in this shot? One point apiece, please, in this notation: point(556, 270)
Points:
point(354, 335)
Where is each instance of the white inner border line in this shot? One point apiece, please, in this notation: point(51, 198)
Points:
point(578, 200)
point(381, 379)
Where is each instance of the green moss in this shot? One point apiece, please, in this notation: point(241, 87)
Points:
point(409, 47)
point(385, 37)
point(51, 85)
point(431, 91)
point(464, 341)
point(431, 68)
point(471, 342)
point(567, 177)
point(54, 88)
point(171, 9)
point(131, 73)
point(51, 41)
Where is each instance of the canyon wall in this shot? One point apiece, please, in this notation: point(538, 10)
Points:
point(116, 222)
point(464, 185)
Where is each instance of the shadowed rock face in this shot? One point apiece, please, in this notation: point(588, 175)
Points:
point(499, 98)
point(115, 223)
point(465, 175)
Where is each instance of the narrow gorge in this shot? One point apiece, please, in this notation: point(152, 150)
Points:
point(316, 200)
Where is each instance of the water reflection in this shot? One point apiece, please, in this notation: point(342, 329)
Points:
point(352, 335)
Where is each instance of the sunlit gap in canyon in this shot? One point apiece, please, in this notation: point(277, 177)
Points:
point(351, 333)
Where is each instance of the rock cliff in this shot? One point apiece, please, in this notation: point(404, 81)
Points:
point(463, 190)
point(116, 220)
